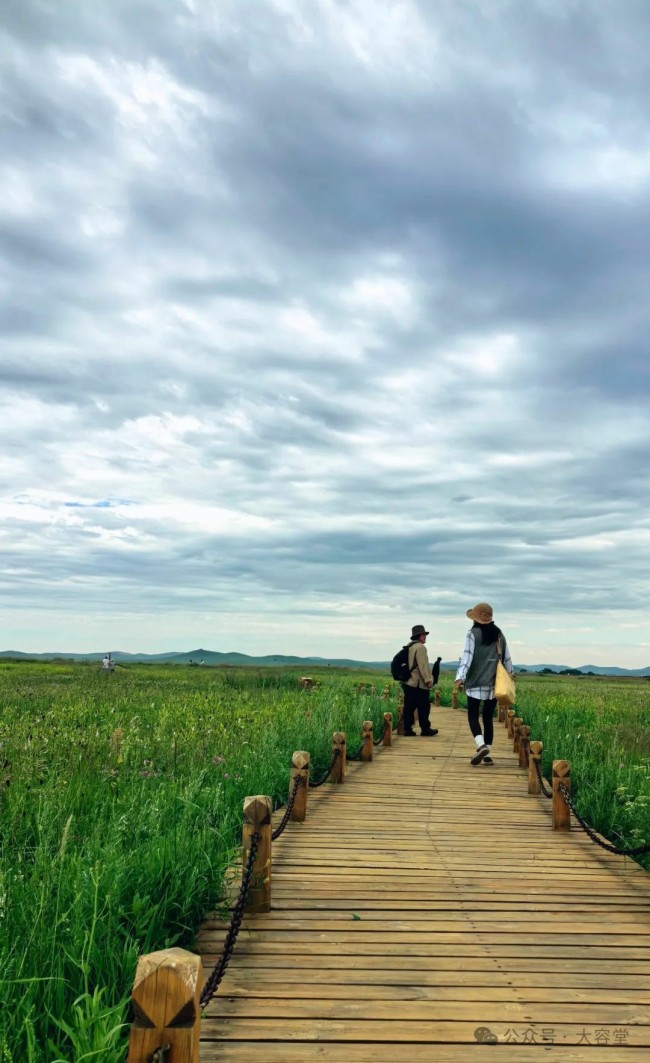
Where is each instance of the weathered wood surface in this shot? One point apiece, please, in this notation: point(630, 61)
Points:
point(540, 938)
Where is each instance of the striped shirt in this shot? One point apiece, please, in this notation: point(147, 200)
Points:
point(482, 693)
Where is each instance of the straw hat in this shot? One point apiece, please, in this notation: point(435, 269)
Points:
point(482, 613)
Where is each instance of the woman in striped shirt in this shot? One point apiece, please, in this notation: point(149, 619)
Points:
point(485, 645)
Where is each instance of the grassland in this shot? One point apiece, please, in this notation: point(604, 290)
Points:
point(602, 727)
point(120, 809)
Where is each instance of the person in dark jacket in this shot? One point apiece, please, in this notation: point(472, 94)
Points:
point(485, 644)
point(435, 671)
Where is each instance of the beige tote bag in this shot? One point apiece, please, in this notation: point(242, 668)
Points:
point(504, 684)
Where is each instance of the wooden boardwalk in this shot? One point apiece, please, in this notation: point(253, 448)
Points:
point(424, 911)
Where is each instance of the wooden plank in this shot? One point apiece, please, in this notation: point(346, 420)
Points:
point(609, 952)
point(398, 1031)
point(279, 990)
point(281, 1008)
point(373, 1052)
point(354, 939)
point(439, 922)
point(489, 977)
point(387, 965)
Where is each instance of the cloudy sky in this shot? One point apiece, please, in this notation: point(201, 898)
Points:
point(320, 319)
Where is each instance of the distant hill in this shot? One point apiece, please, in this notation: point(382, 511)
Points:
point(585, 669)
point(207, 657)
point(214, 657)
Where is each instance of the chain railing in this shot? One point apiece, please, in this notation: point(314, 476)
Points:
point(314, 783)
point(288, 810)
point(610, 847)
point(542, 783)
point(212, 983)
point(386, 728)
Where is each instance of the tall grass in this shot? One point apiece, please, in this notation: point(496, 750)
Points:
point(602, 727)
point(120, 809)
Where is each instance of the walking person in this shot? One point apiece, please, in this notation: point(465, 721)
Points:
point(484, 646)
point(435, 671)
point(417, 686)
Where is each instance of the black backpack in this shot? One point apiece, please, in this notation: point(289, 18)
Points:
point(399, 666)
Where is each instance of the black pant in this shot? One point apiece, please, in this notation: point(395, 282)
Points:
point(416, 698)
point(488, 718)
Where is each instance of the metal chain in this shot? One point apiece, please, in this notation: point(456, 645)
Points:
point(640, 850)
point(357, 755)
point(287, 812)
point(383, 734)
point(159, 1054)
point(319, 782)
point(538, 769)
point(212, 984)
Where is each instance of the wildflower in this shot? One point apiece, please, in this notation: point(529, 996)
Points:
point(226, 775)
point(218, 760)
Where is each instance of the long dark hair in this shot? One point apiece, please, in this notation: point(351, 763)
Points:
point(490, 632)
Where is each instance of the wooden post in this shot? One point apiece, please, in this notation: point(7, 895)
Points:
point(366, 736)
point(511, 723)
point(166, 1007)
point(436, 698)
point(299, 769)
point(388, 729)
point(385, 694)
point(524, 736)
point(257, 818)
point(516, 724)
point(500, 712)
point(400, 718)
point(454, 699)
point(561, 811)
point(535, 755)
point(338, 771)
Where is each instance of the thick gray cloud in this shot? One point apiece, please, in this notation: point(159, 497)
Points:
point(317, 320)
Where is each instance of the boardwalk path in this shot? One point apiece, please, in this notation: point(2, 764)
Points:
point(424, 901)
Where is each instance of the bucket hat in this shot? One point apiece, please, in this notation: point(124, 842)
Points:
point(482, 613)
point(418, 630)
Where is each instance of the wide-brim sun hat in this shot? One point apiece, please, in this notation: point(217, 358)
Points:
point(481, 613)
point(418, 630)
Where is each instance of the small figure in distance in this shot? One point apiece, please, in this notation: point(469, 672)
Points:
point(485, 644)
point(108, 664)
point(436, 670)
point(417, 686)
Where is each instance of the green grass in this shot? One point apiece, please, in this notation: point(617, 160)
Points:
point(602, 727)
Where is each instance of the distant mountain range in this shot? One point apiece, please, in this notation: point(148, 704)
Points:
point(213, 657)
